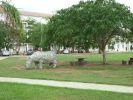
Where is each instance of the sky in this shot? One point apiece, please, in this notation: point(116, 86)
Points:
point(51, 6)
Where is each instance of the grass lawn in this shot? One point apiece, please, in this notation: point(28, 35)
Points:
point(113, 73)
point(10, 91)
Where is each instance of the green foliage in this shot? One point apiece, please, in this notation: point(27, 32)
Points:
point(12, 15)
point(45, 39)
point(12, 18)
point(90, 23)
point(5, 35)
point(36, 35)
point(29, 27)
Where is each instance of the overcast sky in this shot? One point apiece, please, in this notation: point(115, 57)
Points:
point(50, 6)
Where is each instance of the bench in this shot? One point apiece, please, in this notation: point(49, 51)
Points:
point(124, 62)
point(130, 62)
point(80, 62)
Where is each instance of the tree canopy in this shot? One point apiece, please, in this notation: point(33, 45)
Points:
point(92, 22)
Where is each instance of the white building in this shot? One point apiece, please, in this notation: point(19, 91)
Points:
point(122, 47)
point(117, 47)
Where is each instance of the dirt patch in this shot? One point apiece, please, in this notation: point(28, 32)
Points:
point(99, 65)
point(19, 67)
point(63, 71)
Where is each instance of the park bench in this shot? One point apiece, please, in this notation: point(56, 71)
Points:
point(80, 62)
point(124, 62)
point(130, 62)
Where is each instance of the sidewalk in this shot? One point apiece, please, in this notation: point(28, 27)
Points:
point(76, 85)
point(1, 58)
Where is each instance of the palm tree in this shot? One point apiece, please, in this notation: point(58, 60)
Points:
point(12, 19)
point(11, 15)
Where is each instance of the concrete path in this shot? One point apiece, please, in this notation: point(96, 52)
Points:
point(1, 58)
point(76, 85)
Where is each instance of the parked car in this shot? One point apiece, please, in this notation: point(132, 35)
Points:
point(66, 51)
point(5, 53)
point(30, 52)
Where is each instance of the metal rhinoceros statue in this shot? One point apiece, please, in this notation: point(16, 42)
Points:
point(40, 58)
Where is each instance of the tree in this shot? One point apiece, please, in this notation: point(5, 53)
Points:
point(97, 21)
point(107, 19)
point(29, 26)
point(11, 15)
point(65, 30)
point(12, 18)
point(104, 20)
point(36, 35)
point(35, 31)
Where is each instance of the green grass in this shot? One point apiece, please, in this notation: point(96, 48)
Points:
point(114, 73)
point(112, 57)
point(10, 91)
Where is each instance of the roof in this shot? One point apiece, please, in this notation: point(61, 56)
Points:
point(34, 14)
point(29, 13)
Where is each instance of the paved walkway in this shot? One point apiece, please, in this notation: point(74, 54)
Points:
point(76, 85)
point(1, 58)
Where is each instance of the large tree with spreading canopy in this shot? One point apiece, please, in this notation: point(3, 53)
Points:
point(93, 22)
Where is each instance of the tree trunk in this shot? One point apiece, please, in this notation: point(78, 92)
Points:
point(99, 51)
point(87, 51)
point(72, 49)
point(104, 56)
